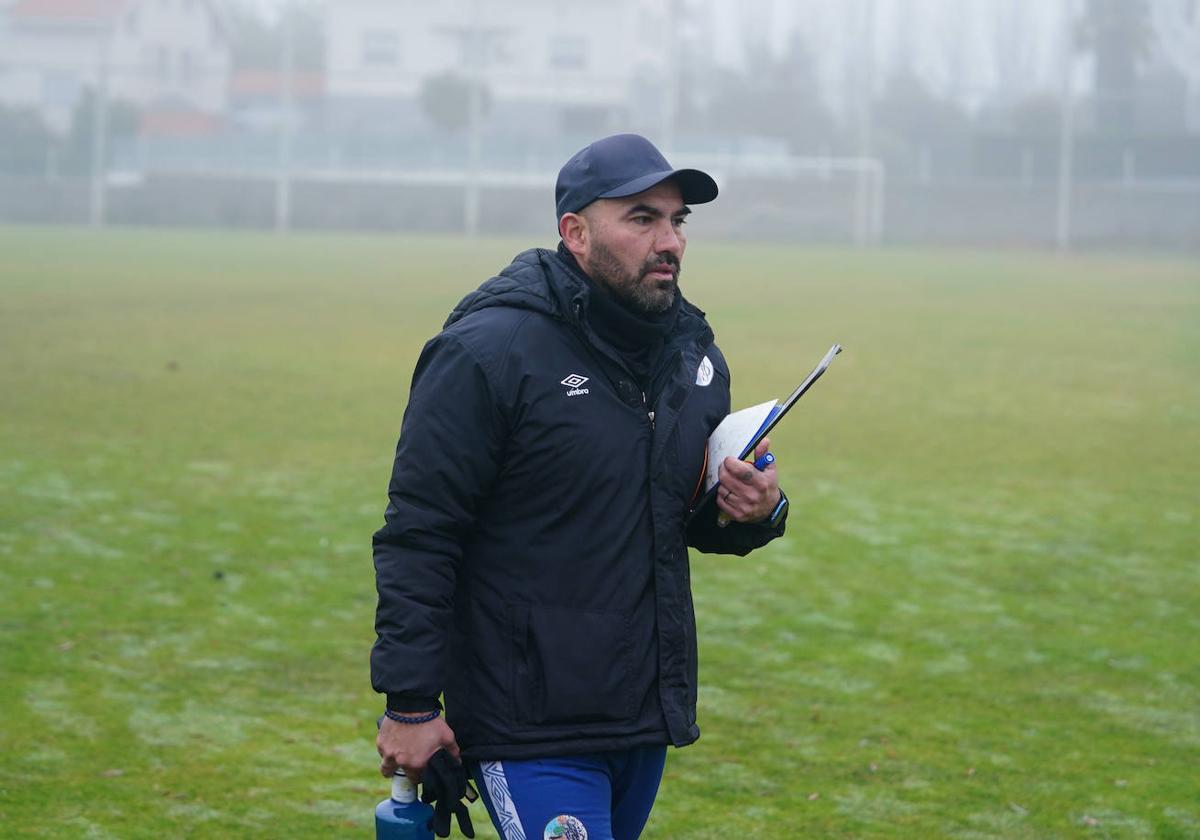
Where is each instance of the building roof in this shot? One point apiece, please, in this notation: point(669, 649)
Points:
point(67, 11)
point(84, 12)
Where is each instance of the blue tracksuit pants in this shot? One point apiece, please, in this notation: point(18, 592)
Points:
point(598, 796)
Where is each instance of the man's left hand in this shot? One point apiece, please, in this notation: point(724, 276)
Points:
point(747, 494)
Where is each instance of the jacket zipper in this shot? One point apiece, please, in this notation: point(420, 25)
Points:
point(594, 352)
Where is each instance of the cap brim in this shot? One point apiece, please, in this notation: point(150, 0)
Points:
point(695, 187)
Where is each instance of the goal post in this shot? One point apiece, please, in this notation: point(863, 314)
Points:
point(841, 194)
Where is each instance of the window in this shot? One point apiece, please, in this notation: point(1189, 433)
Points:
point(568, 52)
point(60, 89)
point(381, 48)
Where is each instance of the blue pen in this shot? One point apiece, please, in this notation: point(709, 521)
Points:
point(765, 461)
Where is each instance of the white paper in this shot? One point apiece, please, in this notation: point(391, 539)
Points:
point(731, 437)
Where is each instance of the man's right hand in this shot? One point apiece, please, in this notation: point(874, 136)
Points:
point(410, 745)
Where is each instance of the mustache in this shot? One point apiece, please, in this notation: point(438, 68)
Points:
point(662, 261)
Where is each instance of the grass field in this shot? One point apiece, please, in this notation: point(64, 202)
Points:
point(984, 621)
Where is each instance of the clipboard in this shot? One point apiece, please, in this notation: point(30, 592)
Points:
point(772, 420)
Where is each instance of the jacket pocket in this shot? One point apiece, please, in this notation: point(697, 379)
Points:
point(572, 666)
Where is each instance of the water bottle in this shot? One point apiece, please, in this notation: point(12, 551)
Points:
point(402, 817)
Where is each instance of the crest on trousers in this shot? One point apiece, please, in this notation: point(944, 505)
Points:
point(564, 827)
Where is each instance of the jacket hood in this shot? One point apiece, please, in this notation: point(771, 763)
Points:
point(524, 284)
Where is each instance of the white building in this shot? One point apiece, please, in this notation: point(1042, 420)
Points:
point(169, 58)
point(559, 64)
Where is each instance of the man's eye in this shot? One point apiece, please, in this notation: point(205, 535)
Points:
point(680, 221)
point(641, 220)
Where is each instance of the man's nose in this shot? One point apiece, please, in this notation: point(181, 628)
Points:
point(669, 240)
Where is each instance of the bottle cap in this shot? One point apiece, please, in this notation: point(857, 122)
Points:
point(402, 789)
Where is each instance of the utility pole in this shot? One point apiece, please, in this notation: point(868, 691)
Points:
point(98, 204)
point(283, 173)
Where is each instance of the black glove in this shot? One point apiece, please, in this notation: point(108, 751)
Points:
point(444, 785)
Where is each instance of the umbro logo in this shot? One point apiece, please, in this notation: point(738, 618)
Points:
point(574, 383)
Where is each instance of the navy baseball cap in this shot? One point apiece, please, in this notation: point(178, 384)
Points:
point(621, 165)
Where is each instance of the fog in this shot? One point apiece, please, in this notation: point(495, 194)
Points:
point(1067, 124)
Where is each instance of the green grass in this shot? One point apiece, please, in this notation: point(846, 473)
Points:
point(982, 623)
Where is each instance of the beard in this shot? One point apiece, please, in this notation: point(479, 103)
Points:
point(635, 291)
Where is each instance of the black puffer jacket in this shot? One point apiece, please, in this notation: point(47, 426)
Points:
point(533, 563)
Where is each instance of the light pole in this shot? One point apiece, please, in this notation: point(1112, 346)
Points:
point(1066, 138)
point(98, 203)
point(864, 220)
point(674, 15)
point(283, 172)
point(474, 123)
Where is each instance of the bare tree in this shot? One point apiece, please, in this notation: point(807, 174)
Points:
point(1118, 34)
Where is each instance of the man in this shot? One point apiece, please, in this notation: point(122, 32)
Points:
point(533, 566)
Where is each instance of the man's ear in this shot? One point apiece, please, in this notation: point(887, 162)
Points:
point(573, 229)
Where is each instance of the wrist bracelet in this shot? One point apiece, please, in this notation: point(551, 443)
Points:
point(411, 719)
